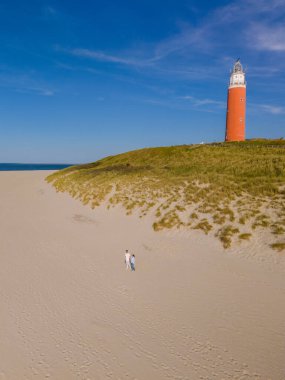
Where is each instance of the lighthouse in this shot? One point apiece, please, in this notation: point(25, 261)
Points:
point(235, 125)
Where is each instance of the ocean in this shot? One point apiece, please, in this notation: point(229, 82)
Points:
point(16, 167)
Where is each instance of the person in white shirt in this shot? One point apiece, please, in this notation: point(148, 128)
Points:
point(127, 260)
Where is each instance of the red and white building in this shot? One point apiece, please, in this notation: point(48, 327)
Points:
point(236, 105)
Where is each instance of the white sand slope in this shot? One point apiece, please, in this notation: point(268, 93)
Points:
point(69, 310)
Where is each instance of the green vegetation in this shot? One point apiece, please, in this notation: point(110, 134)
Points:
point(208, 187)
point(225, 235)
point(277, 229)
point(278, 246)
point(204, 225)
point(245, 236)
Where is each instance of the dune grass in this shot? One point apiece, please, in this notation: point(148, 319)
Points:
point(278, 246)
point(238, 184)
point(245, 236)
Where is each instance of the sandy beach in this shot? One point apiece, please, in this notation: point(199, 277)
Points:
point(70, 310)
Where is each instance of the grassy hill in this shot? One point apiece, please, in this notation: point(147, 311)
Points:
point(229, 189)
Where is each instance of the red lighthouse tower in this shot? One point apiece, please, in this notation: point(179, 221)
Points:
point(235, 128)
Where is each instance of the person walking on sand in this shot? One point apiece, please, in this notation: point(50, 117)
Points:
point(127, 260)
point(133, 263)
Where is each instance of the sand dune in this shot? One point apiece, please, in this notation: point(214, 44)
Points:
point(69, 310)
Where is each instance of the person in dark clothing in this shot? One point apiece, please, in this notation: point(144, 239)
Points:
point(133, 263)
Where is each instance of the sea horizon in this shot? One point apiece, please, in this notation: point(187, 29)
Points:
point(16, 166)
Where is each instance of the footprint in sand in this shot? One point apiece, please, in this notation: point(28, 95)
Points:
point(83, 219)
point(147, 248)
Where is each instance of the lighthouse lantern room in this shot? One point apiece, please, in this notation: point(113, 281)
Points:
point(236, 105)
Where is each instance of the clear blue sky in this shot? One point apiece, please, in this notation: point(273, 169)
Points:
point(84, 79)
